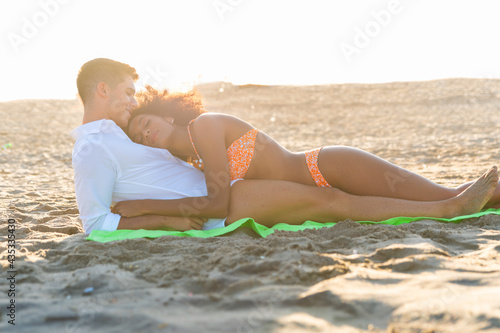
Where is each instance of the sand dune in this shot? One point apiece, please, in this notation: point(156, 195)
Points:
point(422, 277)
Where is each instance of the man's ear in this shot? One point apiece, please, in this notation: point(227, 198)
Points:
point(102, 89)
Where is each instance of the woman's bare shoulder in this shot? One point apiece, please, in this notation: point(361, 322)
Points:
point(220, 124)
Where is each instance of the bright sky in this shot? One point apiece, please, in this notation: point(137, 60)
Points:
point(174, 43)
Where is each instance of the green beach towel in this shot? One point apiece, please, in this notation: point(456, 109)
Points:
point(263, 231)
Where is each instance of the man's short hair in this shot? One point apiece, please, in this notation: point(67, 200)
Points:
point(102, 70)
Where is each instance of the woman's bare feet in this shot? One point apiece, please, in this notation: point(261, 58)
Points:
point(475, 197)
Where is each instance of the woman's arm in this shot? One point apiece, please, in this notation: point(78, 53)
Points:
point(209, 138)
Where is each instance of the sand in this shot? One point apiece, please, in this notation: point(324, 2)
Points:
point(426, 276)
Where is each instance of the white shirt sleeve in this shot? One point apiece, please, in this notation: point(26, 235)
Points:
point(95, 174)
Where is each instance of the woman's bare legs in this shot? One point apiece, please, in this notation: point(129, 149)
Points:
point(270, 202)
point(358, 172)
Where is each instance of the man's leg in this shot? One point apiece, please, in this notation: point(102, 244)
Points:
point(273, 201)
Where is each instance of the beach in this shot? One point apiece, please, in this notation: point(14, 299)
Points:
point(426, 276)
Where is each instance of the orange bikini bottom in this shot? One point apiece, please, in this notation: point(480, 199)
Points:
point(312, 164)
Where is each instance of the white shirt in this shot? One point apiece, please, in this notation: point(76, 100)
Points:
point(109, 167)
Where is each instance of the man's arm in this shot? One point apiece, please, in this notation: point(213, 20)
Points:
point(206, 207)
point(156, 222)
point(95, 176)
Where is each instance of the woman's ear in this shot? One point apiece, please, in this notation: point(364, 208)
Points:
point(169, 119)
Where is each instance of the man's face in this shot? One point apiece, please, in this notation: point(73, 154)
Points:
point(122, 102)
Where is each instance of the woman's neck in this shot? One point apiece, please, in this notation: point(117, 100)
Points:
point(181, 143)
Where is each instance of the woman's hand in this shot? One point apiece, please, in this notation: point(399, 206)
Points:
point(129, 208)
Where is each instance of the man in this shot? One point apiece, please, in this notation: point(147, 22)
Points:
point(109, 168)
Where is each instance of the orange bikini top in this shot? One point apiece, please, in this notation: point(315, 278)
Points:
point(239, 153)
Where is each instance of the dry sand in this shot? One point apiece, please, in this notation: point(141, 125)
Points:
point(421, 277)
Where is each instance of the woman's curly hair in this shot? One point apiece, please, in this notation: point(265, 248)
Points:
point(183, 107)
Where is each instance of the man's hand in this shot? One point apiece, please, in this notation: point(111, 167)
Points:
point(129, 208)
point(183, 223)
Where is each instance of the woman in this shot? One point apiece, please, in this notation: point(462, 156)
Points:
point(228, 149)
